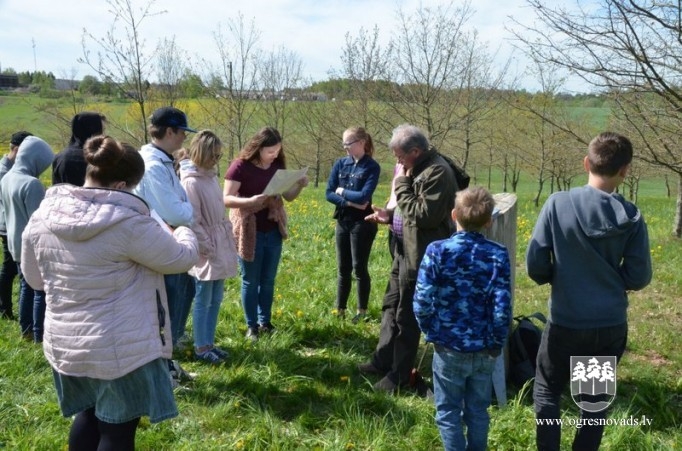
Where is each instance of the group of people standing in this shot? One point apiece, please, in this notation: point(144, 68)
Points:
point(125, 242)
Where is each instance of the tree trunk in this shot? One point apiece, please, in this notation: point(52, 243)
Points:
point(677, 229)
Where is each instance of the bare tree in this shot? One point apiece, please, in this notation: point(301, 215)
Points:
point(281, 74)
point(427, 66)
point(318, 120)
point(234, 81)
point(630, 49)
point(121, 58)
point(170, 70)
point(364, 65)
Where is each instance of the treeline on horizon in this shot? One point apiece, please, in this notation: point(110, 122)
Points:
point(192, 86)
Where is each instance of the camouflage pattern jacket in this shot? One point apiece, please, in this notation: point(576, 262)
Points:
point(463, 295)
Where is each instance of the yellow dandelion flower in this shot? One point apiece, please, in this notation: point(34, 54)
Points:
point(299, 313)
point(344, 378)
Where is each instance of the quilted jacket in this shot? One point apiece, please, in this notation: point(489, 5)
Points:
point(100, 256)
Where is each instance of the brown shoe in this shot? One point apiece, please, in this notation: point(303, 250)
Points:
point(369, 368)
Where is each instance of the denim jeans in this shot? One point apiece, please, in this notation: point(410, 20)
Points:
point(258, 278)
point(8, 272)
point(552, 375)
point(31, 309)
point(353, 245)
point(180, 292)
point(462, 385)
point(209, 295)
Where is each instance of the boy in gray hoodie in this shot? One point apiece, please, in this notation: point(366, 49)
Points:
point(592, 246)
point(21, 193)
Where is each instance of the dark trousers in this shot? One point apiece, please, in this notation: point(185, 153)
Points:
point(552, 376)
point(31, 309)
point(180, 292)
point(8, 273)
point(353, 246)
point(399, 334)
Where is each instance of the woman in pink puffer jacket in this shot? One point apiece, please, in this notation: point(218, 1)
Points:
point(100, 256)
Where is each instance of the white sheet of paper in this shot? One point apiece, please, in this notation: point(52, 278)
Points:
point(283, 180)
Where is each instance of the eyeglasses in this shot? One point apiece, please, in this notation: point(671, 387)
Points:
point(350, 143)
point(402, 155)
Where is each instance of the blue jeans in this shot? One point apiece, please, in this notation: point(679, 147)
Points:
point(180, 292)
point(462, 381)
point(209, 295)
point(31, 309)
point(552, 375)
point(258, 278)
point(8, 272)
point(353, 245)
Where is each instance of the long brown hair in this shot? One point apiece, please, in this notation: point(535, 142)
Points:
point(265, 137)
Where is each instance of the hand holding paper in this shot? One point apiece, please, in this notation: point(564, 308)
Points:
point(283, 180)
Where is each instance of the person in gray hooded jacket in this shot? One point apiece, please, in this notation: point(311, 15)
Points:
point(592, 246)
point(21, 193)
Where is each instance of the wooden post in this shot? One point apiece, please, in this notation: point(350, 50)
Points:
point(503, 231)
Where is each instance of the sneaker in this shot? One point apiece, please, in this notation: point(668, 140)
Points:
point(252, 333)
point(364, 317)
point(178, 373)
point(266, 328)
point(209, 356)
point(221, 352)
point(369, 368)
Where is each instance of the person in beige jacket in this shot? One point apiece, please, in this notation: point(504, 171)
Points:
point(217, 250)
point(100, 257)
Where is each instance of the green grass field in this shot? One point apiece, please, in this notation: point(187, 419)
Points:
point(299, 389)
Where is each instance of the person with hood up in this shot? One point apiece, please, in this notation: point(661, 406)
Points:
point(69, 164)
point(217, 249)
point(592, 247)
point(8, 270)
point(100, 256)
point(21, 193)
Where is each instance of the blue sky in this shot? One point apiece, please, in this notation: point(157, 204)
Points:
point(47, 34)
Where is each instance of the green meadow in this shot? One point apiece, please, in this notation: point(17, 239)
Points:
point(299, 388)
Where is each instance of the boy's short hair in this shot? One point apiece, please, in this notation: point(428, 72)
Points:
point(474, 208)
point(18, 137)
point(608, 153)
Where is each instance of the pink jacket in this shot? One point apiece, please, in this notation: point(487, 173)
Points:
point(217, 251)
point(100, 257)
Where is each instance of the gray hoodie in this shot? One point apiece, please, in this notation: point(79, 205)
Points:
point(592, 247)
point(21, 191)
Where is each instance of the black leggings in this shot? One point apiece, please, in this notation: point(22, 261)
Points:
point(90, 434)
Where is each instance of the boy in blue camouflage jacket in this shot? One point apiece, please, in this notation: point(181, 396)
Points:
point(463, 305)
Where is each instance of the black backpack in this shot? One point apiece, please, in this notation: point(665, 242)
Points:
point(524, 343)
point(463, 179)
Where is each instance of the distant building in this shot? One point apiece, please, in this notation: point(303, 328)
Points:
point(9, 81)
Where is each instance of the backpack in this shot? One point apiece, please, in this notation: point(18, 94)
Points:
point(461, 175)
point(524, 344)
